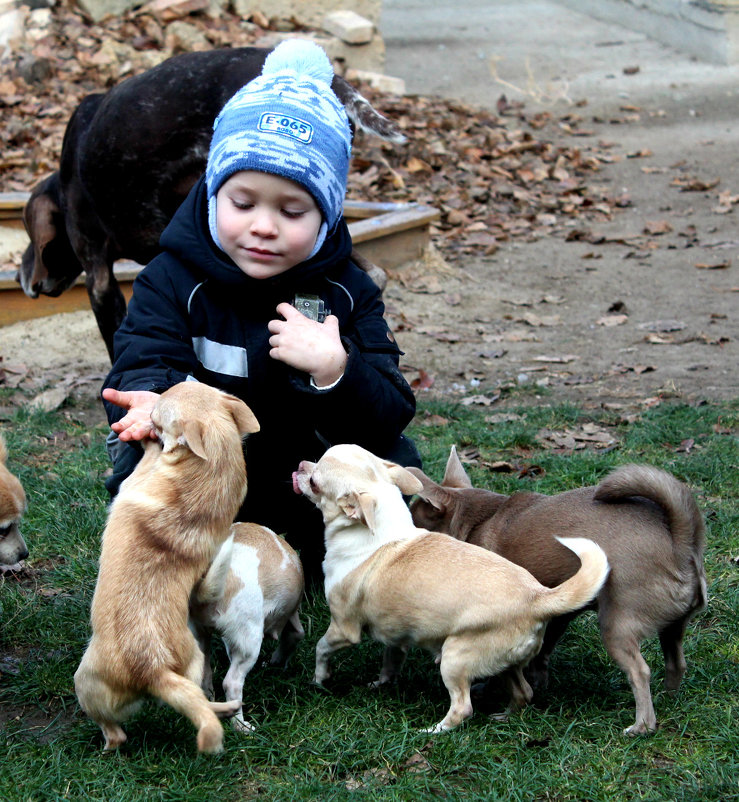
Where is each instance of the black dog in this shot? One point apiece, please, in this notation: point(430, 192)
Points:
point(129, 157)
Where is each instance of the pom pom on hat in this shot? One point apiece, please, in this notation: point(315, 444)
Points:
point(287, 122)
point(301, 57)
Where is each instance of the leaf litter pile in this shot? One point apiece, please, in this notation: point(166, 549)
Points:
point(494, 177)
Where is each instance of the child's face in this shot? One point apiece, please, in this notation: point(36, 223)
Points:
point(266, 224)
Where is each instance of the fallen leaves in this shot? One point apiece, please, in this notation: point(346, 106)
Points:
point(589, 435)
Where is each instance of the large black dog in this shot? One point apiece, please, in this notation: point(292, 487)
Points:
point(129, 157)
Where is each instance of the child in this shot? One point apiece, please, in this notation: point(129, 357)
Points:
point(261, 233)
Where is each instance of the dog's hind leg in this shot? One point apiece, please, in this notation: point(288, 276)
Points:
point(243, 651)
point(456, 674)
point(537, 671)
point(291, 635)
point(392, 661)
point(671, 639)
point(186, 697)
point(333, 639)
point(623, 646)
point(104, 705)
point(519, 688)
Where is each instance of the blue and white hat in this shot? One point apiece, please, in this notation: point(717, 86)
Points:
point(287, 122)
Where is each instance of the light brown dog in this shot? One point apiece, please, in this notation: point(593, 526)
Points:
point(164, 528)
point(253, 588)
point(12, 506)
point(646, 521)
point(477, 612)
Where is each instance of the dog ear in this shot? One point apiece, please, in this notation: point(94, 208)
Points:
point(192, 437)
point(404, 479)
point(359, 507)
point(246, 421)
point(39, 217)
point(455, 474)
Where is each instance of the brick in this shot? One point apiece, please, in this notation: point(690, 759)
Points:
point(349, 26)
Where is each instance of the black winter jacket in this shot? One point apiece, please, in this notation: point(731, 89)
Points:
point(194, 314)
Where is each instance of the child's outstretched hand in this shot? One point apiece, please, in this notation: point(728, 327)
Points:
point(307, 345)
point(136, 424)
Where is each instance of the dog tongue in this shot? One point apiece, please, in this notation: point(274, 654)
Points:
point(296, 489)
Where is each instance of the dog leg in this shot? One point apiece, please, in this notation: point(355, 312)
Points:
point(106, 300)
point(187, 698)
point(105, 706)
point(333, 640)
point(291, 635)
point(519, 689)
point(456, 678)
point(625, 651)
point(243, 654)
point(671, 639)
point(204, 639)
point(114, 735)
point(392, 661)
point(537, 671)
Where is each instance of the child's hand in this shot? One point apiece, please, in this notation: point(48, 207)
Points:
point(307, 345)
point(136, 424)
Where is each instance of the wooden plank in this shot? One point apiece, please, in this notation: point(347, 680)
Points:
point(387, 234)
point(15, 305)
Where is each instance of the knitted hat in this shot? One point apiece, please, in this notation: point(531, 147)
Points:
point(287, 122)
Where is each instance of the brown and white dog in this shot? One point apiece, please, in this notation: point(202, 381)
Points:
point(253, 588)
point(646, 521)
point(477, 612)
point(12, 506)
point(164, 528)
point(129, 158)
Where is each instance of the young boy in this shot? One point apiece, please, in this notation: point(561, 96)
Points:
point(259, 235)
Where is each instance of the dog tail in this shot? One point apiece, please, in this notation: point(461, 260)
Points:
point(363, 115)
point(684, 519)
point(213, 585)
point(582, 587)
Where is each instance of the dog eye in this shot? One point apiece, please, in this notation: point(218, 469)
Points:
point(5, 531)
point(313, 484)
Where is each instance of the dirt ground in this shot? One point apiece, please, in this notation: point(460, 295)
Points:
point(617, 317)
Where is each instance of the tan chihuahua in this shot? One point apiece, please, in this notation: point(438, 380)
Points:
point(477, 612)
point(164, 528)
point(12, 506)
point(646, 521)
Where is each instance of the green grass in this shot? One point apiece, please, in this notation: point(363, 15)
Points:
point(350, 742)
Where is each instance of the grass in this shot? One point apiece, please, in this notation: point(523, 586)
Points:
point(350, 742)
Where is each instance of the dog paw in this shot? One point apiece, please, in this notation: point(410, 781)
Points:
point(241, 725)
point(436, 729)
point(639, 728)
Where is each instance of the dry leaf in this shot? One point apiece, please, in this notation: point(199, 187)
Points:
point(656, 227)
point(612, 320)
point(716, 266)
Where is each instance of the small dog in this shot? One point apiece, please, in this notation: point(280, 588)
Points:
point(477, 612)
point(129, 158)
point(645, 520)
point(12, 506)
point(253, 588)
point(164, 528)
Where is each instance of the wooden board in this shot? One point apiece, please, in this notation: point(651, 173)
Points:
point(388, 234)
